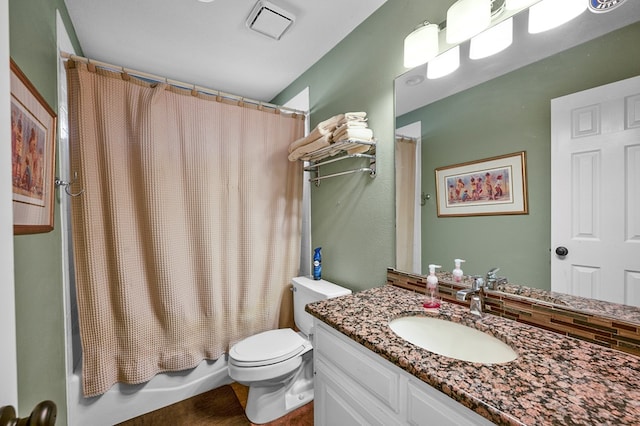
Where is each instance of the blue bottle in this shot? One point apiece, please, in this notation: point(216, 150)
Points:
point(317, 264)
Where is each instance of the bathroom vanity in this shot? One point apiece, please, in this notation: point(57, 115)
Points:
point(366, 374)
point(355, 386)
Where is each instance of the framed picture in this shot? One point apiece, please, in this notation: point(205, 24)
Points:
point(492, 186)
point(33, 135)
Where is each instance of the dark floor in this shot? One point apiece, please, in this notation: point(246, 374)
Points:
point(222, 406)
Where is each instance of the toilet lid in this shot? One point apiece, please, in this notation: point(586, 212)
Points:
point(266, 348)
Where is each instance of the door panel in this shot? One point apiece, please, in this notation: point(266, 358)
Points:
point(595, 200)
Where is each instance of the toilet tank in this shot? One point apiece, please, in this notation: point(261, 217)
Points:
point(307, 290)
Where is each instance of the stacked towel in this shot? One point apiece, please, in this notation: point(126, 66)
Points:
point(354, 127)
point(358, 134)
point(307, 148)
point(319, 132)
point(348, 126)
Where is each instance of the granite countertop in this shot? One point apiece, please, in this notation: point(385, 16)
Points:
point(555, 380)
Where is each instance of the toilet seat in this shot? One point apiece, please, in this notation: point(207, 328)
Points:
point(266, 348)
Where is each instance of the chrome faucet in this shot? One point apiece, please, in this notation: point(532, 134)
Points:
point(475, 292)
point(476, 295)
point(492, 281)
point(478, 284)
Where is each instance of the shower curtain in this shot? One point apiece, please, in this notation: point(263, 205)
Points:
point(405, 152)
point(187, 233)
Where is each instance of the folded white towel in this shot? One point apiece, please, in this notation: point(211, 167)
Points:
point(355, 115)
point(350, 148)
point(360, 149)
point(329, 124)
point(353, 121)
point(363, 134)
point(324, 128)
point(350, 125)
point(303, 150)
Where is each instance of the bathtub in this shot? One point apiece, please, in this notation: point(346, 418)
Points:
point(123, 402)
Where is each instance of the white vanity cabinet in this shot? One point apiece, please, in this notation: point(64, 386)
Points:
point(355, 386)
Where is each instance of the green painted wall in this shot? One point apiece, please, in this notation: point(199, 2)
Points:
point(353, 218)
point(38, 258)
point(509, 114)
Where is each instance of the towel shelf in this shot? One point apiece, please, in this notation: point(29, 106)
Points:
point(338, 151)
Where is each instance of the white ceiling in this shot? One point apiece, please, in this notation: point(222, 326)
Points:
point(208, 44)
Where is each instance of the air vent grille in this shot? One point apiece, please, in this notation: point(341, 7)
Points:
point(269, 20)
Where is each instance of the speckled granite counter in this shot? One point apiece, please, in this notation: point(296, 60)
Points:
point(555, 380)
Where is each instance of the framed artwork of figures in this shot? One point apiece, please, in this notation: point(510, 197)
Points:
point(491, 186)
point(33, 133)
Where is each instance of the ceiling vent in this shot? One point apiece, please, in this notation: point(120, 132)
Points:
point(269, 20)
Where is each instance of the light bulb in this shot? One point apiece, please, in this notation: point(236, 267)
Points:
point(444, 64)
point(466, 18)
point(492, 41)
point(548, 14)
point(421, 45)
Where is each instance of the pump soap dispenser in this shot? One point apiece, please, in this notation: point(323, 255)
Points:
point(432, 285)
point(457, 272)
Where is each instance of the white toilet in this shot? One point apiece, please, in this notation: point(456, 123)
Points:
point(277, 365)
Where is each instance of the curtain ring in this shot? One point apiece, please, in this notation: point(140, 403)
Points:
point(124, 75)
point(90, 67)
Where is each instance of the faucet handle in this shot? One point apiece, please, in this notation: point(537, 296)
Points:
point(478, 282)
point(502, 280)
point(492, 273)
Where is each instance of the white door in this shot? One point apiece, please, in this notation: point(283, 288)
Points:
point(595, 200)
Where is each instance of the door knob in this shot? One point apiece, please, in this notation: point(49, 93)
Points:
point(562, 251)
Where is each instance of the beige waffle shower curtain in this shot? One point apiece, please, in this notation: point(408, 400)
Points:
point(405, 152)
point(188, 231)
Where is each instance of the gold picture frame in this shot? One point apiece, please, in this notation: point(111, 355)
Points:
point(33, 140)
point(491, 186)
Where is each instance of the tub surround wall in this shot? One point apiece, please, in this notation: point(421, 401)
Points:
point(39, 295)
point(123, 402)
point(542, 309)
point(554, 380)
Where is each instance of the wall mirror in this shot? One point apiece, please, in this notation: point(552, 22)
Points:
point(492, 107)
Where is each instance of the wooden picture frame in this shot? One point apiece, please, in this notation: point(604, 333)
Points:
point(33, 140)
point(491, 186)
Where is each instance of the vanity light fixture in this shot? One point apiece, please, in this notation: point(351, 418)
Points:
point(492, 41)
point(548, 14)
point(519, 4)
point(421, 45)
point(466, 18)
point(444, 64)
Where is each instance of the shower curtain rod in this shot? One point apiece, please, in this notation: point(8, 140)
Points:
point(179, 84)
point(403, 138)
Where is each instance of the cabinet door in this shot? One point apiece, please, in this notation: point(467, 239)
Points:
point(428, 406)
point(364, 367)
point(338, 401)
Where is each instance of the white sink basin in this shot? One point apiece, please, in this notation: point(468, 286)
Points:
point(453, 340)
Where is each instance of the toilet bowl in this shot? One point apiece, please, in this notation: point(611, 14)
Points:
point(277, 365)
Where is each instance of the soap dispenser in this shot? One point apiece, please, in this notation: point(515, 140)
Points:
point(457, 272)
point(432, 285)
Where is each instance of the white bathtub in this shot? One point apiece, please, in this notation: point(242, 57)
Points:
point(123, 402)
